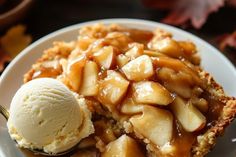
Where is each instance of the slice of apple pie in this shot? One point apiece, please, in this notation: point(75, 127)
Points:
point(146, 91)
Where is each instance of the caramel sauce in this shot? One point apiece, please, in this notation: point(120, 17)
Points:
point(104, 131)
point(182, 141)
point(214, 111)
point(183, 144)
point(141, 36)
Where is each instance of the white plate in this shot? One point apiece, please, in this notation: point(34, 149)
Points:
point(212, 61)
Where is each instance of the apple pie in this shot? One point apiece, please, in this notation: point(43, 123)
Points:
point(146, 91)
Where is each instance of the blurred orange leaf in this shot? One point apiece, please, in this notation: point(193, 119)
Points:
point(227, 40)
point(193, 11)
point(12, 43)
point(3, 59)
point(15, 40)
point(185, 12)
point(231, 3)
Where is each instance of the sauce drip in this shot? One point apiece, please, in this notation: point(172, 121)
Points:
point(182, 141)
point(214, 111)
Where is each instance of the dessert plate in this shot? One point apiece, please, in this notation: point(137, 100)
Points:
point(212, 61)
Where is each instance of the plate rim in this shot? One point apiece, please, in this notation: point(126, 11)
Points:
point(114, 20)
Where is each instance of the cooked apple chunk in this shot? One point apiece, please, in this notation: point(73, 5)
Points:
point(139, 69)
point(112, 88)
point(179, 82)
point(169, 47)
point(74, 72)
point(124, 146)
point(151, 93)
point(177, 66)
point(105, 57)
point(200, 103)
point(188, 47)
point(188, 115)
point(154, 124)
point(180, 88)
point(135, 51)
point(128, 106)
point(89, 86)
point(121, 60)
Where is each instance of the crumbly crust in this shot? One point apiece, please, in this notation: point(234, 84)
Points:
point(205, 142)
point(57, 51)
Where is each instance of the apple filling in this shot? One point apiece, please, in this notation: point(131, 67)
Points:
point(146, 82)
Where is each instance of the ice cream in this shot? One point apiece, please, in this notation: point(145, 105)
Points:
point(45, 114)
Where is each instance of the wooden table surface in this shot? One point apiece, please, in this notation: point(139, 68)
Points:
point(47, 16)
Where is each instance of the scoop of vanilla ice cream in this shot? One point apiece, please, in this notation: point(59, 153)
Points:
point(45, 114)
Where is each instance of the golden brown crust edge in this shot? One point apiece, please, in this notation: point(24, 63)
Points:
point(206, 141)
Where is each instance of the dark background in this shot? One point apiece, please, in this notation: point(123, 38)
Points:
point(47, 16)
